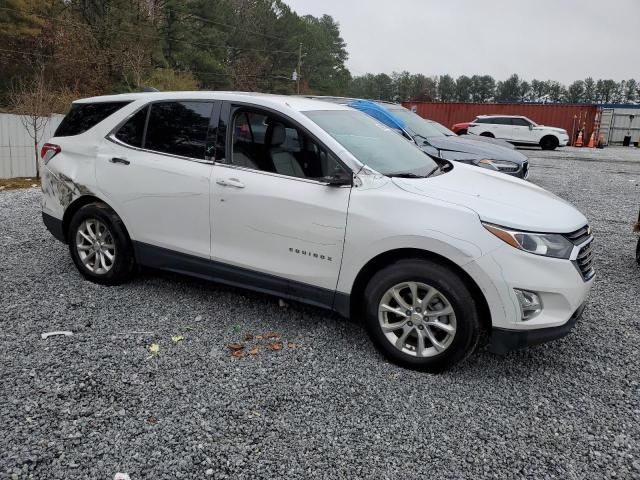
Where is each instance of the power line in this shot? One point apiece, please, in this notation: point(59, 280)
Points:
point(158, 37)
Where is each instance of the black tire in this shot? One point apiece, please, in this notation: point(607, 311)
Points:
point(444, 280)
point(638, 252)
point(487, 134)
point(122, 268)
point(462, 132)
point(549, 143)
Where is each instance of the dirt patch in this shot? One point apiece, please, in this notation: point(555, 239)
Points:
point(20, 182)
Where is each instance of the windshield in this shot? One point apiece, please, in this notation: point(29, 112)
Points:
point(373, 143)
point(417, 124)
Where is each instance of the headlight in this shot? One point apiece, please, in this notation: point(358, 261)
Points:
point(503, 165)
point(546, 244)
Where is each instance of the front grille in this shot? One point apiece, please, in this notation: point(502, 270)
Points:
point(584, 260)
point(579, 236)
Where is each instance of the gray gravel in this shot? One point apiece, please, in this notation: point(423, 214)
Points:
point(326, 405)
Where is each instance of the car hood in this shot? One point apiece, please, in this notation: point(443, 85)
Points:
point(553, 129)
point(477, 149)
point(499, 199)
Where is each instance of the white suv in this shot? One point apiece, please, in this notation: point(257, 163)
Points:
point(518, 130)
point(319, 203)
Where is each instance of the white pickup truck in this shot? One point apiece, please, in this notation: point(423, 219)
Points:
point(518, 130)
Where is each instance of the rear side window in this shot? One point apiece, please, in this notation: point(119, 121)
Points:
point(179, 128)
point(132, 132)
point(84, 116)
point(481, 120)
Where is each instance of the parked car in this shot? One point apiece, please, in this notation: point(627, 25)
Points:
point(438, 141)
point(518, 130)
point(460, 128)
point(319, 204)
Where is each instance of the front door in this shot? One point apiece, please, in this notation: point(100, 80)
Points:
point(271, 212)
point(522, 132)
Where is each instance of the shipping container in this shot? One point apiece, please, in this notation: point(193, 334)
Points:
point(570, 117)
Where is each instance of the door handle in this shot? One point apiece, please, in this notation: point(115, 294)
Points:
point(230, 182)
point(120, 160)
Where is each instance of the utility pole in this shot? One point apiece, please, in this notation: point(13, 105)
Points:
point(299, 67)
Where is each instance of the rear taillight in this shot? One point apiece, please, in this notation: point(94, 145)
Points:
point(48, 151)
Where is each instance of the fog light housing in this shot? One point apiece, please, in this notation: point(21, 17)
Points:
point(530, 304)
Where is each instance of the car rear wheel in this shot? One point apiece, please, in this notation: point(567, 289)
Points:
point(638, 252)
point(549, 143)
point(487, 134)
point(462, 132)
point(421, 315)
point(99, 245)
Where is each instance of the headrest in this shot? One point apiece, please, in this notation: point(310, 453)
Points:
point(278, 135)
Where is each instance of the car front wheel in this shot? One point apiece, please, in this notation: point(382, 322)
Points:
point(99, 245)
point(421, 315)
point(549, 143)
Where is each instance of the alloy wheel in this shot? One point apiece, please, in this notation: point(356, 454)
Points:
point(417, 319)
point(95, 246)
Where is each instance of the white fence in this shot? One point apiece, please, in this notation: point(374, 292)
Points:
point(17, 157)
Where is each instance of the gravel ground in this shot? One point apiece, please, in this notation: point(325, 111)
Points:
point(324, 405)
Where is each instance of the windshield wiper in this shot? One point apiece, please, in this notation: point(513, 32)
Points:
point(404, 175)
point(434, 170)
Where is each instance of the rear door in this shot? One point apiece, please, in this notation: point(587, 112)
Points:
point(502, 127)
point(155, 172)
point(272, 214)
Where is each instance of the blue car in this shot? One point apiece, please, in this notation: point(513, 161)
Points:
point(438, 141)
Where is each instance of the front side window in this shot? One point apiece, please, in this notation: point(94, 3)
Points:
point(372, 143)
point(520, 122)
point(84, 116)
point(269, 143)
point(179, 128)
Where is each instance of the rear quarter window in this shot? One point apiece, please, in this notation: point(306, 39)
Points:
point(84, 116)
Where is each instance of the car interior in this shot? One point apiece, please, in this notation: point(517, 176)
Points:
point(271, 144)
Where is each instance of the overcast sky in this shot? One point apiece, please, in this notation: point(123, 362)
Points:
point(562, 40)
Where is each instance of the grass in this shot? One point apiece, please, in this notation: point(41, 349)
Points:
point(20, 182)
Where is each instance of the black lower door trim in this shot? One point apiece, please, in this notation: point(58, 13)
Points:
point(165, 259)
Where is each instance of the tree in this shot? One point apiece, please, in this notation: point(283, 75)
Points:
point(589, 90)
point(446, 88)
point(33, 100)
point(631, 91)
point(538, 90)
point(575, 92)
point(509, 90)
point(464, 85)
point(484, 88)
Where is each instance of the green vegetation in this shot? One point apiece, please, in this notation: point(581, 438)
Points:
point(81, 48)
point(92, 47)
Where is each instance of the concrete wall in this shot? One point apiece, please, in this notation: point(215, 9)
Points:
point(16, 146)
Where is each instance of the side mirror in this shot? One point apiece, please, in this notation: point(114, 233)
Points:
point(530, 127)
point(339, 180)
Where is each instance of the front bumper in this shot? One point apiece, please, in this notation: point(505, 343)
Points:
point(558, 284)
point(563, 140)
point(503, 341)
